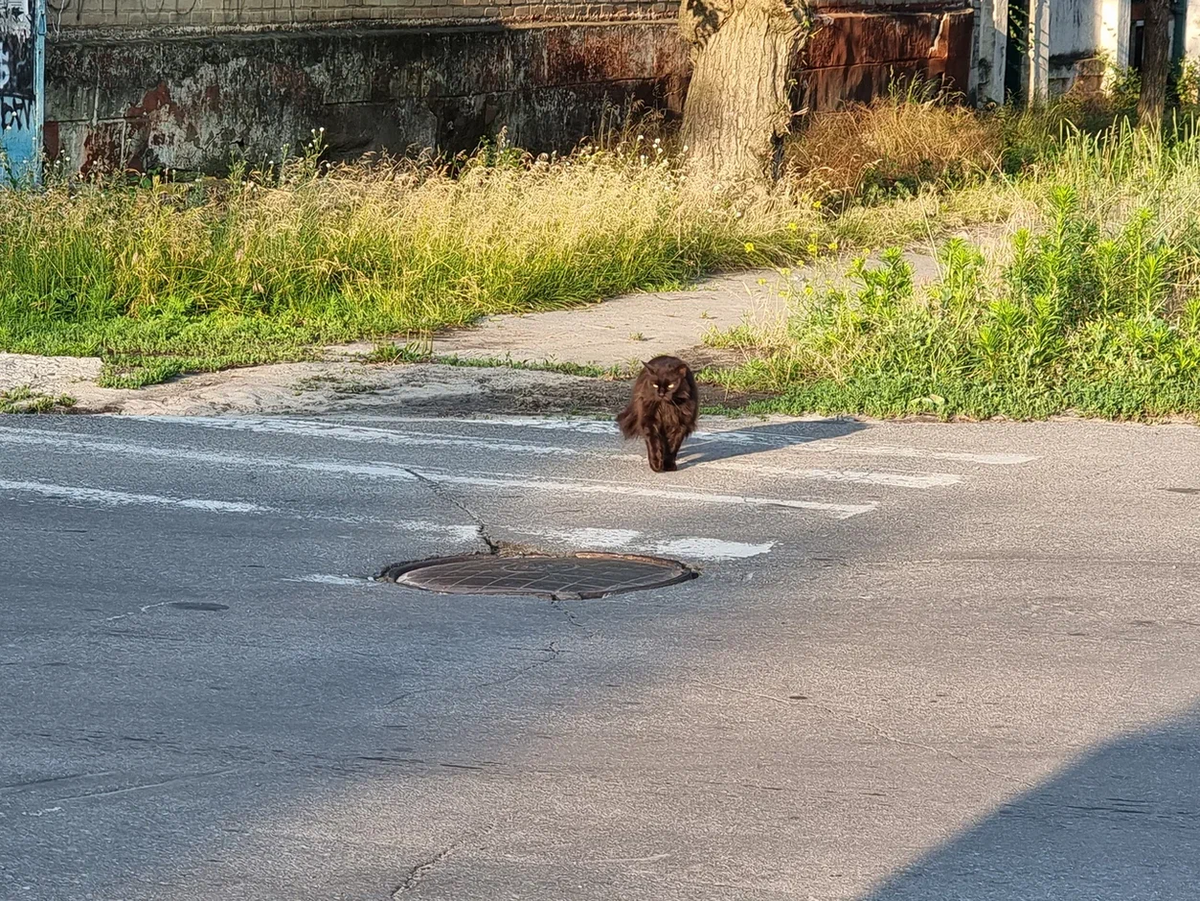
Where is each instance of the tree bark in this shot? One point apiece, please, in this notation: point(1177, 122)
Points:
point(738, 105)
point(1156, 63)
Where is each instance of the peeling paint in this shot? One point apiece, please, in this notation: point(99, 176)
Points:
point(191, 102)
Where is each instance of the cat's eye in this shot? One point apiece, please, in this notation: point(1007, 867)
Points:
point(670, 386)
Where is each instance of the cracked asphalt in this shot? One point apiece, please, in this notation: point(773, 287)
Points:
point(921, 662)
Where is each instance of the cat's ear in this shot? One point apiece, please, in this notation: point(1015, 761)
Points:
point(682, 368)
point(645, 365)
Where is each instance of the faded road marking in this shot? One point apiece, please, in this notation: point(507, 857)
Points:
point(125, 498)
point(632, 540)
point(397, 472)
point(846, 476)
point(838, 511)
point(330, 579)
point(357, 434)
point(809, 443)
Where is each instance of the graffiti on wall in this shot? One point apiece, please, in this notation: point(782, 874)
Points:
point(16, 64)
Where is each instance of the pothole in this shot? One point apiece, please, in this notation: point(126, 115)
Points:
point(573, 577)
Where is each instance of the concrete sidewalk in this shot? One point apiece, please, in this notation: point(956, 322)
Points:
point(637, 327)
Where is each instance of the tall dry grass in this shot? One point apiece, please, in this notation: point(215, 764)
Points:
point(908, 138)
point(268, 263)
point(165, 274)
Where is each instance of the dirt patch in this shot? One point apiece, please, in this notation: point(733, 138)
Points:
point(537, 393)
point(523, 392)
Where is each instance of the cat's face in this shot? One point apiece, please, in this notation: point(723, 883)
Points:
point(666, 387)
point(666, 381)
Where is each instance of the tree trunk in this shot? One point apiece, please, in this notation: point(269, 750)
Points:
point(1156, 62)
point(738, 105)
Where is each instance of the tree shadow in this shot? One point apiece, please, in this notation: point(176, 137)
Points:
point(1122, 823)
point(707, 447)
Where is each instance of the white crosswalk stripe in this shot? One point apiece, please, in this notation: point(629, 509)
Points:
point(482, 457)
point(334, 431)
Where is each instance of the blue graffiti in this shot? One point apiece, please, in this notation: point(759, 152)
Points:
point(17, 87)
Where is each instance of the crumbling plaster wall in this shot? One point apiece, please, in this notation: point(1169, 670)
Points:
point(188, 84)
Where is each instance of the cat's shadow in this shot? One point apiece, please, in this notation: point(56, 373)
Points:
point(708, 446)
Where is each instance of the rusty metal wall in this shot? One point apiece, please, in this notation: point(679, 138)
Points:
point(857, 52)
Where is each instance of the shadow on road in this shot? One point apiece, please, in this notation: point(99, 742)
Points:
point(706, 447)
point(1123, 822)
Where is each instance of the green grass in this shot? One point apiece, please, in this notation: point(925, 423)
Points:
point(1094, 309)
point(160, 277)
point(24, 399)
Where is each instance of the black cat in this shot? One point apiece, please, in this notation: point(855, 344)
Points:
point(664, 410)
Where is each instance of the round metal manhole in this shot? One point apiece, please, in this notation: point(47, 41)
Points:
point(578, 576)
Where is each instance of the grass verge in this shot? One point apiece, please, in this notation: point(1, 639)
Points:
point(161, 277)
point(1091, 307)
point(165, 277)
point(1095, 310)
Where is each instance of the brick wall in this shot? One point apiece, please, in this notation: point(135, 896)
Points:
point(67, 15)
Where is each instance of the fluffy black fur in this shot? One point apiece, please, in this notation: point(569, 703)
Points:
point(663, 410)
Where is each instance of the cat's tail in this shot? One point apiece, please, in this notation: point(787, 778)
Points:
point(627, 421)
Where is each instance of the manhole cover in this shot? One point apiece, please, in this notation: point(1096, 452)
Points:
point(558, 578)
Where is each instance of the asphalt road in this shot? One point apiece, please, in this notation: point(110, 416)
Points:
point(921, 662)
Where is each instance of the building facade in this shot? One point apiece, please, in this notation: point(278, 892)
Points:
point(1040, 48)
